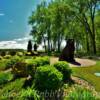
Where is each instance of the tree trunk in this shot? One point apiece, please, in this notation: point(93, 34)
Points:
point(87, 43)
point(45, 44)
point(94, 44)
point(59, 43)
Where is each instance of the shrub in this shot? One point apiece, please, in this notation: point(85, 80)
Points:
point(28, 54)
point(5, 77)
point(63, 67)
point(29, 94)
point(20, 69)
point(12, 53)
point(48, 78)
point(31, 69)
point(20, 54)
point(11, 62)
point(41, 61)
point(7, 56)
point(3, 53)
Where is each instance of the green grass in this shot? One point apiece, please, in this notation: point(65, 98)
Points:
point(11, 89)
point(87, 73)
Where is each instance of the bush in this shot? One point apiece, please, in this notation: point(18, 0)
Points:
point(63, 67)
point(7, 56)
point(20, 54)
point(31, 69)
point(29, 94)
point(32, 64)
point(11, 62)
point(48, 78)
point(41, 61)
point(12, 53)
point(5, 77)
point(20, 69)
point(3, 53)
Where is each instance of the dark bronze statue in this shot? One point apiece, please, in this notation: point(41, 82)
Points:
point(29, 47)
point(35, 47)
point(68, 52)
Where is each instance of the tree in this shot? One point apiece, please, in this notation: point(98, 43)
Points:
point(85, 11)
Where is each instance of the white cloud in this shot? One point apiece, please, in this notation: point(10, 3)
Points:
point(2, 14)
point(20, 43)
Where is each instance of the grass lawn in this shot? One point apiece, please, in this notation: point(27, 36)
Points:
point(87, 73)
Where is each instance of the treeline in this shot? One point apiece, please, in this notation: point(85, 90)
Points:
point(63, 19)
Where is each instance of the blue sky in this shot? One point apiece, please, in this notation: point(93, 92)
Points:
point(14, 18)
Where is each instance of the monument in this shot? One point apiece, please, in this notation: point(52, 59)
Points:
point(35, 47)
point(29, 47)
point(68, 52)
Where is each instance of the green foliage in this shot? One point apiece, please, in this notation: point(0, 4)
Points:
point(20, 54)
point(31, 69)
point(38, 61)
point(5, 77)
point(1, 57)
point(12, 52)
point(29, 94)
point(20, 69)
point(42, 61)
point(2, 53)
point(3, 64)
point(60, 19)
point(63, 67)
point(11, 90)
point(11, 62)
point(33, 63)
point(80, 93)
point(7, 57)
point(48, 78)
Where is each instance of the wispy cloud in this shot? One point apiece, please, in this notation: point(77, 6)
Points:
point(2, 14)
point(20, 43)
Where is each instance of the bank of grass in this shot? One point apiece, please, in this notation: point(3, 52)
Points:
point(87, 73)
point(11, 89)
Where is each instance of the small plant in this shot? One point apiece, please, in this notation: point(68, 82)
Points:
point(12, 89)
point(63, 67)
point(5, 77)
point(20, 54)
point(11, 62)
point(48, 78)
point(3, 53)
point(29, 94)
point(41, 61)
point(12, 53)
point(80, 93)
point(20, 69)
point(7, 56)
point(31, 69)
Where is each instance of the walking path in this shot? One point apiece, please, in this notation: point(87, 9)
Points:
point(83, 62)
